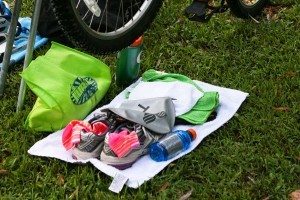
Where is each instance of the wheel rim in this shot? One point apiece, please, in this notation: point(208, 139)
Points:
point(250, 2)
point(116, 18)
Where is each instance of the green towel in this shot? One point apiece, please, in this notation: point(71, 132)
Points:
point(203, 108)
point(152, 75)
point(68, 83)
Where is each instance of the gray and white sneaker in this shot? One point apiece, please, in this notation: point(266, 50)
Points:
point(90, 146)
point(145, 138)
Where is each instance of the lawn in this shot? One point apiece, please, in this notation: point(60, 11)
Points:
point(256, 155)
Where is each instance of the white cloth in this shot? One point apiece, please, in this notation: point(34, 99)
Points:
point(145, 168)
point(184, 95)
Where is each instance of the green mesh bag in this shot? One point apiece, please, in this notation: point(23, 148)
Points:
point(68, 83)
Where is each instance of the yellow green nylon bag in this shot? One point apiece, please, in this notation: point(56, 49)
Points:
point(68, 83)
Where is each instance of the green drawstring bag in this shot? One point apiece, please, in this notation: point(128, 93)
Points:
point(68, 83)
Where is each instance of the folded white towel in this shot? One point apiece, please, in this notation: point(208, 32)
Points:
point(184, 95)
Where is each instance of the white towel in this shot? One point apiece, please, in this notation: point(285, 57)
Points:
point(184, 95)
point(145, 168)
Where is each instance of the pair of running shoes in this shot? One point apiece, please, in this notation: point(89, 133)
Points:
point(92, 139)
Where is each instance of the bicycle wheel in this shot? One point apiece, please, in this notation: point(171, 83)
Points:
point(246, 8)
point(115, 26)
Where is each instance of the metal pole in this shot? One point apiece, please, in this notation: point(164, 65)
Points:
point(29, 50)
point(9, 44)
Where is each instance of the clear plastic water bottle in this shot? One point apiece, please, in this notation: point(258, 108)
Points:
point(128, 63)
point(172, 144)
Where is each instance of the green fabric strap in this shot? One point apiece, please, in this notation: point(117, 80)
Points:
point(203, 108)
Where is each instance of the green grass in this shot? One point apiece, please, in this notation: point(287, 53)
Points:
point(256, 155)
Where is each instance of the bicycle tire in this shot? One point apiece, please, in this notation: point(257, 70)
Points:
point(78, 34)
point(240, 9)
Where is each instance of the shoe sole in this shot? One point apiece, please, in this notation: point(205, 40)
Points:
point(119, 163)
point(83, 155)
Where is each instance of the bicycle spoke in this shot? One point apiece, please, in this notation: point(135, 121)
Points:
point(122, 11)
point(105, 10)
point(117, 18)
point(137, 4)
point(78, 4)
point(106, 22)
point(91, 20)
point(86, 14)
point(131, 10)
point(92, 17)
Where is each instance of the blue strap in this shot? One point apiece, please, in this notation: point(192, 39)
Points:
point(5, 11)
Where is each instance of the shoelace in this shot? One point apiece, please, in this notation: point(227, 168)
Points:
point(122, 143)
point(72, 133)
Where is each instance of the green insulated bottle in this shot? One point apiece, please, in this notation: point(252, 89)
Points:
point(128, 63)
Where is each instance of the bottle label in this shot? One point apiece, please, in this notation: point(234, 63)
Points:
point(173, 144)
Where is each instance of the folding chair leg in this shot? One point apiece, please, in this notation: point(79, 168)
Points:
point(29, 50)
point(9, 44)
